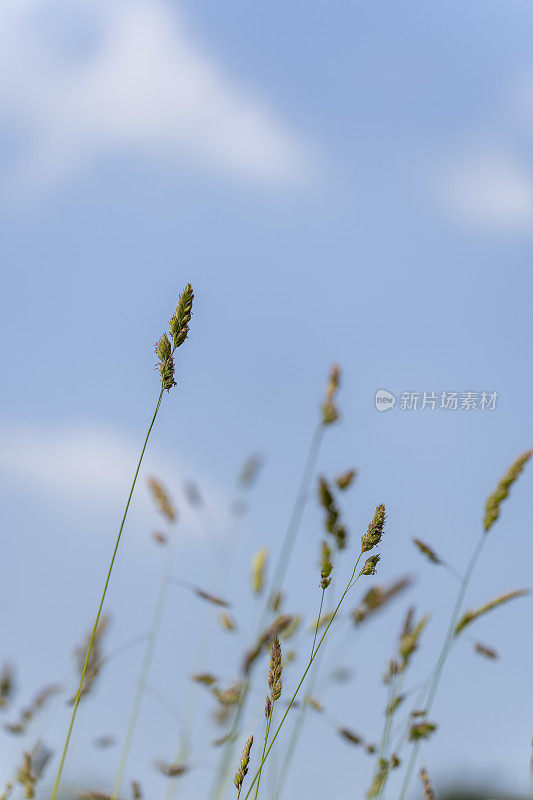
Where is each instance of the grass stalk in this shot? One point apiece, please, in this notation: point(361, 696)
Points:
point(353, 580)
point(443, 655)
point(143, 676)
point(295, 519)
point(100, 607)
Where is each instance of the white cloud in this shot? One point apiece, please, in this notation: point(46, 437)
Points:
point(79, 79)
point(488, 189)
point(91, 467)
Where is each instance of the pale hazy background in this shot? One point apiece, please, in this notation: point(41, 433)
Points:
point(347, 181)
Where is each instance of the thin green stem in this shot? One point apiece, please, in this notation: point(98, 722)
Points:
point(291, 746)
point(104, 592)
point(296, 514)
point(143, 676)
point(267, 731)
point(350, 584)
point(447, 644)
point(280, 570)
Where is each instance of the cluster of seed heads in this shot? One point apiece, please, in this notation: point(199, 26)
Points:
point(179, 328)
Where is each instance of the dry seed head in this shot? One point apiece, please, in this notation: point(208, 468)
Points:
point(379, 779)
point(243, 766)
point(410, 636)
point(275, 669)
point(259, 563)
point(426, 783)
point(349, 736)
point(370, 565)
point(227, 622)
point(28, 713)
point(422, 730)
point(470, 616)
point(95, 658)
point(274, 602)
point(345, 479)
point(486, 651)
point(7, 684)
point(332, 524)
point(268, 707)
point(210, 598)
point(393, 669)
point(427, 551)
point(205, 678)
point(179, 323)
point(394, 761)
point(7, 791)
point(289, 631)
point(326, 566)
point(375, 529)
point(136, 791)
point(492, 507)
point(162, 499)
point(330, 412)
point(170, 770)
point(377, 597)
point(160, 538)
point(315, 704)
point(393, 705)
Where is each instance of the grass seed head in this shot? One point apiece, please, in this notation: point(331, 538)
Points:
point(470, 616)
point(377, 597)
point(179, 322)
point(421, 730)
point(484, 650)
point(275, 669)
point(162, 499)
point(427, 551)
point(370, 565)
point(330, 412)
point(7, 684)
point(426, 784)
point(492, 507)
point(375, 529)
point(345, 479)
point(326, 567)
point(243, 766)
point(257, 572)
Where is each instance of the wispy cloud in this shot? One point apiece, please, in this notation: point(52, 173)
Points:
point(80, 79)
point(489, 189)
point(90, 467)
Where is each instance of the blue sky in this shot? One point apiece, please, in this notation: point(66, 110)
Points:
point(349, 182)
